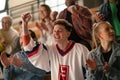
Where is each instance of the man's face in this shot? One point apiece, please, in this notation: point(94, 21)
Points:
point(70, 2)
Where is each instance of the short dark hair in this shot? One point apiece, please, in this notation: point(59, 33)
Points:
point(68, 26)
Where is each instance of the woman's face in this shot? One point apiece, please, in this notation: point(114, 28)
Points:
point(60, 33)
point(5, 24)
point(43, 12)
point(106, 33)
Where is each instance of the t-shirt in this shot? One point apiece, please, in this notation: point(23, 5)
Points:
point(115, 21)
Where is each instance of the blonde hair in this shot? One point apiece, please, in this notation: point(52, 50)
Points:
point(95, 31)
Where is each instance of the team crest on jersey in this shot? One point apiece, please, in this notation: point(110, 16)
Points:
point(63, 72)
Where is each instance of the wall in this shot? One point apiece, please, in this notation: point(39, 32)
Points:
point(14, 3)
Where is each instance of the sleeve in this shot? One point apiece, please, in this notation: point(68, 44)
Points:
point(114, 72)
point(93, 75)
point(8, 74)
point(27, 66)
point(84, 57)
point(82, 20)
point(36, 54)
point(62, 14)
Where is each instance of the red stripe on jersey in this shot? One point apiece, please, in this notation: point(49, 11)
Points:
point(33, 52)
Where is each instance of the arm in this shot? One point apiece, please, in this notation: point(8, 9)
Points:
point(95, 67)
point(8, 70)
point(82, 21)
point(27, 66)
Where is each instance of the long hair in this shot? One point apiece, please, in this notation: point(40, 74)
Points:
point(95, 31)
point(48, 9)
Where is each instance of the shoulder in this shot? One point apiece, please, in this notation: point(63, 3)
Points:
point(81, 47)
point(92, 53)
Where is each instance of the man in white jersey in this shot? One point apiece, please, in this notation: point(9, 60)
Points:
point(67, 58)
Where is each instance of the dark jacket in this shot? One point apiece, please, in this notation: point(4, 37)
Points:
point(106, 11)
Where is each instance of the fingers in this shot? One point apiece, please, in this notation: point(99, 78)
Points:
point(91, 64)
point(106, 67)
point(4, 60)
point(26, 17)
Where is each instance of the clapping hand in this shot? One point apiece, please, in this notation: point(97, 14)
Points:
point(5, 60)
point(41, 26)
point(91, 64)
point(106, 67)
point(14, 60)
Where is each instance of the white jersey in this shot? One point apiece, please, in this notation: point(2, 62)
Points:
point(65, 65)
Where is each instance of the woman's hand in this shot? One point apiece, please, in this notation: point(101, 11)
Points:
point(106, 67)
point(91, 64)
point(41, 26)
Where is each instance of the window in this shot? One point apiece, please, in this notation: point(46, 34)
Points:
point(2, 10)
point(2, 5)
point(56, 5)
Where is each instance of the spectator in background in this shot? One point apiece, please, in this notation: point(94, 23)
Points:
point(104, 60)
point(10, 37)
point(110, 11)
point(80, 18)
point(53, 15)
point(45, 25)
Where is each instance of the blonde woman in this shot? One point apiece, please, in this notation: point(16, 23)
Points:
point(104, 60)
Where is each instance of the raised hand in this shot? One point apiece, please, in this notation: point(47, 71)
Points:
point(26, 17)
point(91, 64)
point(99, 17)
point(72, 9)
point(16, 60)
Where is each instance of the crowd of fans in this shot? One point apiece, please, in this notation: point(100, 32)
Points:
point(73, 44)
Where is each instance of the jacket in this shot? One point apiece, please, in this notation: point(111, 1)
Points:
point(26, 72)
point(82, 23)
point(106, 11)
point(114, 62)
